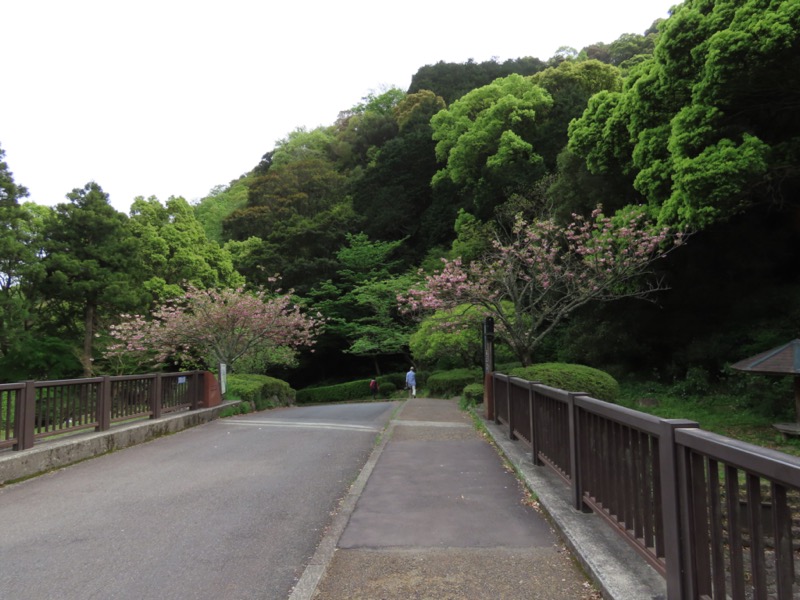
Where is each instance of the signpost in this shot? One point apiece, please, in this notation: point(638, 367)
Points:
point(223, 377)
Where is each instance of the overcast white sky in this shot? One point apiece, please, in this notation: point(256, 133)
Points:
point(173, 97)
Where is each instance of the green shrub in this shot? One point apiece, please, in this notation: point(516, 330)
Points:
point(506, 367)
point(341, 392)
point(572, 378)
point(452, 383)
point(398, 380)
point(386, 389)
point(262, 391)
point(472, 395)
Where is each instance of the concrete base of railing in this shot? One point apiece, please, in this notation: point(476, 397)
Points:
point(615, 567)
point(49, 455)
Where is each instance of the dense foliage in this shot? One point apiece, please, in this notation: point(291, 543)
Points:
point(691, 126)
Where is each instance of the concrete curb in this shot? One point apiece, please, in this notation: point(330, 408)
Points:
point(307, 584)
point(616, 568)
point(47, 456)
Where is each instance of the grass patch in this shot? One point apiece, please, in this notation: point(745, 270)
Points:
point(722, 413)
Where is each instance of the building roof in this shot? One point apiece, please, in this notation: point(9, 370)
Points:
point(783, 359)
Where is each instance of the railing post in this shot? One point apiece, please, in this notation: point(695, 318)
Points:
point(25, 417)
point(494, 396)
point(103, 406)
point(509, 408)
point(488, 395)
point(576, 485)
point(155, 402)
point(197, 390)
point(534, 437)
point(675, 534)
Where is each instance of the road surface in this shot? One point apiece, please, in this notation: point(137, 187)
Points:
point(233, 509)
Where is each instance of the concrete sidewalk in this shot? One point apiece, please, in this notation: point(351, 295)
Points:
point(437, 514)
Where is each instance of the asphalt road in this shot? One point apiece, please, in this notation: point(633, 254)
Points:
point(233, 509)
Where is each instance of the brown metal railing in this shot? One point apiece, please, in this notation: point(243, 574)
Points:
point(9, 394)
point(715, 516)
point(34, 410)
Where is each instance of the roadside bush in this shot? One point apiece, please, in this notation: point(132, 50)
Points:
point(386, 389)
point(452, 383)
point(341, 392)
point(572, 378)
point(506, 367)
point(260, 390)
point(471, 395)
point(399, 380)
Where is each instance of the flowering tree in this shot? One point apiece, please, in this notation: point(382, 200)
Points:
point(215, 326)
point(534, 280)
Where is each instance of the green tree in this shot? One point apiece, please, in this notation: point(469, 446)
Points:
point(174, 248)
point(415, 110)
point(90, 271)
point(302, 144)
point(570, 85)
point(394, 193)
point(361, 131)
point(485, 139)
point(448, 339)
point(705, 126)
point(299, 211)
point(451, 81)
point(221, 202)
point(361, 304)
point(16, 255)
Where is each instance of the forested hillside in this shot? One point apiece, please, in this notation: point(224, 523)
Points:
point(687, 132)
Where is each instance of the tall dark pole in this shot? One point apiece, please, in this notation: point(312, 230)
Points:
point(488, 366)
point(488, 345)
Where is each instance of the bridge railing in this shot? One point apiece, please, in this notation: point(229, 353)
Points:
point(33, 410)
point(716, 517)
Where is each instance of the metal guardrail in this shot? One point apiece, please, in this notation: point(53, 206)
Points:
point(718, 518)
point(33, 410)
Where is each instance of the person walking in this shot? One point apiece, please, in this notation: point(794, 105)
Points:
point(411, 382)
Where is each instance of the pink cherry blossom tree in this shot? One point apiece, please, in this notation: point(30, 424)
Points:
point(536, 277)
point(214, 326)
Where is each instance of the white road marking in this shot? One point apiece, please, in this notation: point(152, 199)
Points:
point(430, 423)
point(306, 425)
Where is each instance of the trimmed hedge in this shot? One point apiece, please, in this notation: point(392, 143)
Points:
point(572, 378)
point(260, 390)
point(399, 379)
point(452, 383)
point(472, 394)
point(342, 392)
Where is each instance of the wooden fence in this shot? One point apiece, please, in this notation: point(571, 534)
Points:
point(718, 518)
point(32, 410)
